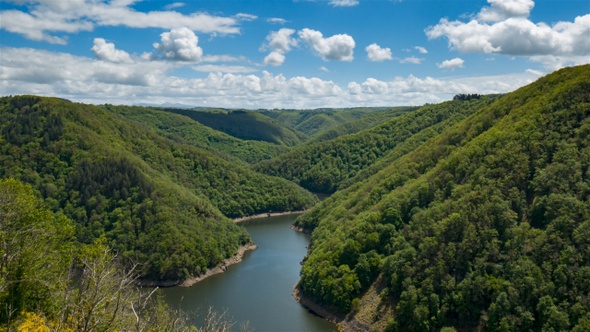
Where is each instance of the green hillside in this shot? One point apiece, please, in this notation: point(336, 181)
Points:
point(184, 129)
point(483, 227)
point(315, 122)
point(369, 120)
point(160, 203)
point(323, 166)
point(246, 125)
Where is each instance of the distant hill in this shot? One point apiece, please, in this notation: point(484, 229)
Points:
point(184, 129)
point(314, 122)
point(324, 165)
point(483, 227)
point(159, 202)
point(246, 125)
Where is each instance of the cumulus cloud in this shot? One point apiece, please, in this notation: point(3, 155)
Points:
point(179, 44)
point(279, 42)
point(84, 79)
point(344, 3)
point(274, 58)
point(45, 18)
point(504, 9)
point(421, 49)
point(376, 53)
point(451, 64)
point(107, 52)
point(338, 47)
point(504, 28)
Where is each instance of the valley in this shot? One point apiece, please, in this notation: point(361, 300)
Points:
point(467, 215)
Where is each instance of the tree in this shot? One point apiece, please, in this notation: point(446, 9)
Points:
point(35, 251)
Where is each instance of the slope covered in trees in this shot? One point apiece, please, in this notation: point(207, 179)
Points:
point(367, 121)
point(246, 125)
point(48, 282)
point(323, 166)
point(158, 202)
point(184, 129)
point(314, 122)
point(484, 227)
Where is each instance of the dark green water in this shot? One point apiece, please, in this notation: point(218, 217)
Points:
point(258, 289)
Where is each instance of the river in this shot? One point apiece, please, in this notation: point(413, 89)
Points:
point(258, 289)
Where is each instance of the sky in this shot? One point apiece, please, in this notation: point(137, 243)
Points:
point(293, 54)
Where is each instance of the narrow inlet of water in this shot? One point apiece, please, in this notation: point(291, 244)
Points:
point(258, 289)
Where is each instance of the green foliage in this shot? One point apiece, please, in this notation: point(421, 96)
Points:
point(328, 123)
point(160, 203)
point(49, 283)
point(35, 251)
point(246, 125)
point(324, 166)
point(484, 226)
point(184, 129)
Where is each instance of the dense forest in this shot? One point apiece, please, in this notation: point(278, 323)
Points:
point(49, 282)
point(244, 124)
point(468, 215)
point(185, 129)
point(158, 202)
point(483, 227)
point(323, 166)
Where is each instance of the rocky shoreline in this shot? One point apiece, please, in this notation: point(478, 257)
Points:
point(344, 323)
point(220, 268)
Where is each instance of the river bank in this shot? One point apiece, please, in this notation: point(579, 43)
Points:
point(219, 268)
point(344, 323)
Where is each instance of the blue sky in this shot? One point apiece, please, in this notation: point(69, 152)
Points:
point(285, 54)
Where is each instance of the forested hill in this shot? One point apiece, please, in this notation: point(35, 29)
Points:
point(160, 203)
point(483, 227)
point(185, 129)
point(243, 124)
point(323, 166)
point(318, 122)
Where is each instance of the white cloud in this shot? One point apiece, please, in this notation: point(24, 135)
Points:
point(222, 58)
point(174, 5)
point(421, 49)
point(274, 58)
point(344, 3)
point(180, 44)
point(338, 47)
point(504, 9)
point(376, 53)
point(314, 86)
point(412, 59)
point(83, 79)
point(246, 17)
point(280, 42)
point(535, 72)
point(224, 69)
point(107, 52)
point(276, 20)
point(324, 69)
point(451, 64)
point(504, 28)
point(45, 18)
point(33, 27)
